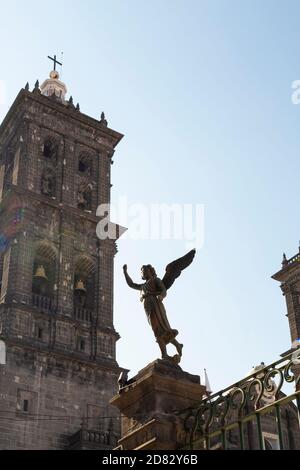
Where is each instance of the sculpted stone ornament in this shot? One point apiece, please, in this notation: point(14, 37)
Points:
point(84, 196)
point(153, 291)
point(48, 184)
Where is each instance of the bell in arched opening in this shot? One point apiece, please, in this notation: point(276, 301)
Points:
point(80, 293)
point(80, 287)
point(40, 281)
point(44, 269)
point(84, 282)
point(40, 273)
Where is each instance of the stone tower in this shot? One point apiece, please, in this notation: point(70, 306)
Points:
point(289, 277)
point(58, 367)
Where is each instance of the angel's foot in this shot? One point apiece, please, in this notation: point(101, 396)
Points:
point(176, 359)
point(179, 349)
point(164, 354)
point(168, 358)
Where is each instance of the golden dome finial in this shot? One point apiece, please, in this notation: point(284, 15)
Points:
point(53, 87)
point(54, 75)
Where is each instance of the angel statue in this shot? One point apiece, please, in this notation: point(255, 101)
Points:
point(153, 291)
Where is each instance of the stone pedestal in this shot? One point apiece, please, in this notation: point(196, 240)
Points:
point(149, 403)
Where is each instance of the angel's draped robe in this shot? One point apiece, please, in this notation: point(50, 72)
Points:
point(155, 310)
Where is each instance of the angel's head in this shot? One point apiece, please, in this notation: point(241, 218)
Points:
point(147, 271)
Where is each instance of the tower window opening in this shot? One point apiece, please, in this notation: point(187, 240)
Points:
point(44, 271)
point(82, 345)
point(83, 166)
point(49, 150)
point(84, 283)
point(40, 333)
point(25, 406)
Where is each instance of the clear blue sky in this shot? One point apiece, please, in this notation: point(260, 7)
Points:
point(202, 92)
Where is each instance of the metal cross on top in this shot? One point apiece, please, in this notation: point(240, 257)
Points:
point(55, 61)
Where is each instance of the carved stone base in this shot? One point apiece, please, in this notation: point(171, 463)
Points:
point(148, 405)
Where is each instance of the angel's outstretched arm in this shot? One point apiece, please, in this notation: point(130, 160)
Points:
point(129, 281)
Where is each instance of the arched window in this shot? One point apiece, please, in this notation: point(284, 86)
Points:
point(271, 441)
point(50, 149)
point(85, 165)
point(44, 270)
point(84, 283)
point(268, 445)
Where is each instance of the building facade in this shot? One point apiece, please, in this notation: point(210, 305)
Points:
point(58, 366)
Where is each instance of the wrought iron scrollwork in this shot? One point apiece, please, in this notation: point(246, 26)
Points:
point(246, 400)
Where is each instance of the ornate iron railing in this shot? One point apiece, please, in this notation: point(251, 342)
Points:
point(246, 404)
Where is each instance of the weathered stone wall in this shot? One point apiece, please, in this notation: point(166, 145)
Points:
point(60, 392)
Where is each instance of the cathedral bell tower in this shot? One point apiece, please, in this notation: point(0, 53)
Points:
point(289, 277)
point(56, 300)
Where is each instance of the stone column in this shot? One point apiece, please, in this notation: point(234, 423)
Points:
point(149, 404)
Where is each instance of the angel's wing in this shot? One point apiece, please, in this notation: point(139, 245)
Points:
point(174, 269)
